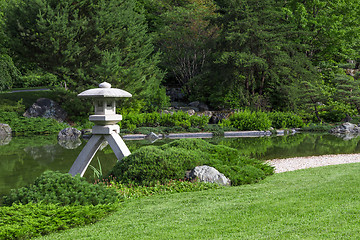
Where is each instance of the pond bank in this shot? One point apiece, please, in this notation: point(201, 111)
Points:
point(292, 164)
point(208, 134)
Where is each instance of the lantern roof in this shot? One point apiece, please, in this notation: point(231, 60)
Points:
point(104, 91)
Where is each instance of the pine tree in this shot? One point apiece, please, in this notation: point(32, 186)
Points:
point(348, 90)
point(85, 42)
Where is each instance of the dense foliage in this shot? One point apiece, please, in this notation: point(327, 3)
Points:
point(171, 161)
point(31, 220)
point(261, 55)
point(62, 189)
point(181, 119)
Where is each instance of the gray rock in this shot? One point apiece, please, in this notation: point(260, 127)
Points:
point(5, 130)
point(199, 105)
point(46, 108)
point(209, 174)
point(5, 139)
point(5, 134)
point(152, 137)
point(205, 113)
point(69, 134)
point(191, 112)
point(218, 116)
point(203, 107)
point(194, 104)
point(346, 128)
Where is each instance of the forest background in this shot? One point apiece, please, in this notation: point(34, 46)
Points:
point(292, 56)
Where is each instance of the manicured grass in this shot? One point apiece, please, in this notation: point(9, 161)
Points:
point(319, 203)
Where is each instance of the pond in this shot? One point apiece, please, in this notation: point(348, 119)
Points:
point(25, 158)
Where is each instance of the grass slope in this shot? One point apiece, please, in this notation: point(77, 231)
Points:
point(319, 203)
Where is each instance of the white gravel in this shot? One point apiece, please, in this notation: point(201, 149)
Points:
point(291, 164)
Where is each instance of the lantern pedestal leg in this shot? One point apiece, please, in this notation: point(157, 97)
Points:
point(86, 155)
point(117, 145)
point(83, 160)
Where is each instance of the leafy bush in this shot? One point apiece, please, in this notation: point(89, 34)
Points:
point(321, 127)
point(23, 126)
point(7, 105)
point(177, 119)
point(9, 74)
point(247, 120)
point(285, 120)
point(37, 79)
point(63, 189)
point(171, 161)
point(32, 220)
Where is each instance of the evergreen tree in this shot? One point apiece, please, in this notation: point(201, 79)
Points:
point(347, 90)
point(330, 28)
point(86, 42)
point(311, 96)
point(259, 55)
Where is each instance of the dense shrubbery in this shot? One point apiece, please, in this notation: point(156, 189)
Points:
point(23, 126)
point(285, 120)
point(32, 220)
point(180, 119)
point(170, 161)
point(248, 120)
point(62, 189)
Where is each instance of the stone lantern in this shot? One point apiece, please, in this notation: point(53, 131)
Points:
point(105, 119)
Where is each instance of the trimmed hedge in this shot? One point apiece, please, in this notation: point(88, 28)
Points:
point(160, 164)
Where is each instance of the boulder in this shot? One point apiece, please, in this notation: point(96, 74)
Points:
point(209, 174)
point(346, 128)
point(199, 105)
point(46, 108)
point(152, 137)
point(191, 112)
point(69, 134)
point(218, 116)
point(5, 130)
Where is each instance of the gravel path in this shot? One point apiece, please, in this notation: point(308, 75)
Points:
point(291, 164)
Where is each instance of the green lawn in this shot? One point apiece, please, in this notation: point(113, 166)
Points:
point(320, 203)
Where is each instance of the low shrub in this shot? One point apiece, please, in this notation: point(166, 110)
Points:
point(32, 220)
point(171, 161)
point(285, 120)
point(320, 127)
point(154, 119)
point(133, 190)
point(247, 120)
point(62, 189)
point(24, 126)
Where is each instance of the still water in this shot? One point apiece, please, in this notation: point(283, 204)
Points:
point(25, 158)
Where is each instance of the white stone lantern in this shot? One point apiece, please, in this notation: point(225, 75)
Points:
point(105, 119)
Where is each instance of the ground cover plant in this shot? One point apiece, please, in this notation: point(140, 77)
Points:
point(171, 161)
point(63, 189)
point(318, 203)
point(133, 190)
point(31, 220)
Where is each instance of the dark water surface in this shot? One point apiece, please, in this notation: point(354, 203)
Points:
point(25, 158)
